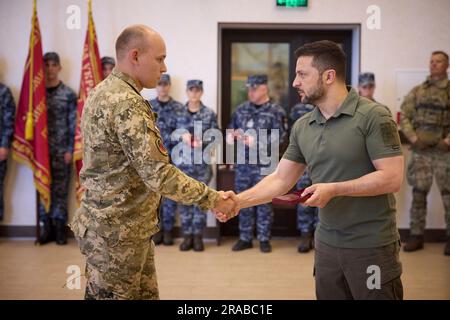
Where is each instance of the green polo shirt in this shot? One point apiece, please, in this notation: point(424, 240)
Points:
point(342, 148)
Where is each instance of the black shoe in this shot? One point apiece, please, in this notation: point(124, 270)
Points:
point(242, 245)
point(447, 248)
point(158, 237)
point(306, 242)
point(198, 243)
point(168, 239)
point(61, 237)
point(187, 244)
point(265, 246)
point(47, 232)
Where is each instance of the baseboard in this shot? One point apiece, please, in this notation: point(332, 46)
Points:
point(30, 232)
point(17, 231)
point(431, 235)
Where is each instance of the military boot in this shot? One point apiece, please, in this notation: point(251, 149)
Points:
point(187, 243)
point(168, 238)
point(47, 232)
point(242, 245)
point(414, 243)
point(306, 242)
point(447, 247)
point(265, 246)
point(198, 243)
point(61, 238)
point(158, 237)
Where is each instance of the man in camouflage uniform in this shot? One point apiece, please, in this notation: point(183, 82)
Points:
point(425, 121)
point(61, 122)
point(167, 110)
point(307, 217)
point(125, 171)
point(7, 113)
point(108, 63)
point(258, 112)
point(194, 115)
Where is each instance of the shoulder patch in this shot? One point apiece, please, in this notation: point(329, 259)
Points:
point(390, 135)
point(160, 147)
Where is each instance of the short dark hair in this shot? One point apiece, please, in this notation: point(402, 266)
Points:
point(440, 52)
point(326, 55)
point(52, 56)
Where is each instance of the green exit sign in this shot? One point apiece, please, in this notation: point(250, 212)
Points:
point(292, 3)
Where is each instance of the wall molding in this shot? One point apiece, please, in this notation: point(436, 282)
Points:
point(11, 231)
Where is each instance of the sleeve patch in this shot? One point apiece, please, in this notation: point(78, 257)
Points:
point(160, 147)
point(390, 135)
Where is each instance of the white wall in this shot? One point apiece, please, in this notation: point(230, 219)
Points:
point(410, 30)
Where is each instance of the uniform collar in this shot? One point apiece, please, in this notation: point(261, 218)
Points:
point(347, 107)
point(164, 102)
point(124, 77)
point(59, 85)
point(263, 106)
point(442, 84)
point(202, 106)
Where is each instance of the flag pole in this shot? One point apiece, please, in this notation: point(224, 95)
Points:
point(29, 126)
point(30, 143)
point(38, 223)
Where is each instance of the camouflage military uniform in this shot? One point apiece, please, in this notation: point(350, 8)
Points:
point(125, 171)
point(7, 112)
point(307, 217)
point(426, 114)
point(249, 116)
point(61, 122)
point(193, 219)
point(166, 121)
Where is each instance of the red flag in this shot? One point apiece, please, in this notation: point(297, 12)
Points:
point(91, 75)
point(30, 144)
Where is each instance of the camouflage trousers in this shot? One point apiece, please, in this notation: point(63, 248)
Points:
point(422, 167)
point(2, 180)
point(247, 176)
point(59, 189)
point(167, 212)
point(193, 219)
point(119, 270)
point(307, 217)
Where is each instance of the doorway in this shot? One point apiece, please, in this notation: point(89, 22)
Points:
point(246, 49)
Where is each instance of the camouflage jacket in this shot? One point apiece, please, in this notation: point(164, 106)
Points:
point(7, 113)
point(269, 116)
point(425, 112)
point(196, 124)
point(125, 166)
point(61, 118)
point(298, 111)
point(167, 118)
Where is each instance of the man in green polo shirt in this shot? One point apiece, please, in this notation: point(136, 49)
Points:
point(351, 148)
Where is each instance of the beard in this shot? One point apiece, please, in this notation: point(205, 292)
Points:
point(314, 96)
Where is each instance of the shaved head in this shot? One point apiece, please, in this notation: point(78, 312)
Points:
point(134, 37)
point(140, 53)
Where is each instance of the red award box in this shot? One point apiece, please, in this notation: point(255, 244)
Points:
point(292, 199)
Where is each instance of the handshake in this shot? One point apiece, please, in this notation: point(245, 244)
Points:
point(227, 206)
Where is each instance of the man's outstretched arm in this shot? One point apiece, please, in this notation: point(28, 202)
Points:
point(278, 183)
point(141, 144)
